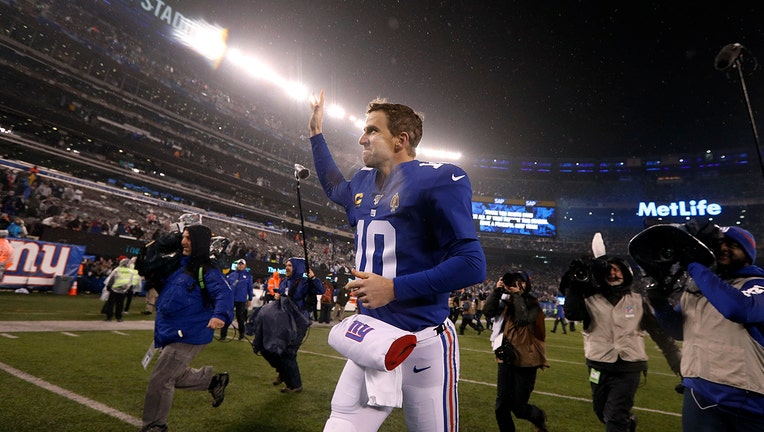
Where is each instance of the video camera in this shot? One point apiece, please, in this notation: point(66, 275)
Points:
point(665, 249)
point(587, 274)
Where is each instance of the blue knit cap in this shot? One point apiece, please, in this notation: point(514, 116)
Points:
point(743, 237)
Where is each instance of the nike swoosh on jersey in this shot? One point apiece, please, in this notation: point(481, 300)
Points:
point(457, 178)
point(416, 370)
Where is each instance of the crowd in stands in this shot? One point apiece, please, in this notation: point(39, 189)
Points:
point(181, 118)
point(43, 202)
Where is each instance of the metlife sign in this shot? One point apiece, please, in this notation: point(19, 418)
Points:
point(679, 208)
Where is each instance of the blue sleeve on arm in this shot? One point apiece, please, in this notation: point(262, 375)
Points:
point(464, 267)
point(744, 306)
point(336, 187)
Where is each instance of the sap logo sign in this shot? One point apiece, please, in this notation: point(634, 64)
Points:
point(498, 200)
point(680, 208)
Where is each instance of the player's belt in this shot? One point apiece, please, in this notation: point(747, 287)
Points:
point(426, 333)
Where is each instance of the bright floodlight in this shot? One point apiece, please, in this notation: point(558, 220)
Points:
point(441, 155)
point(206, 39)
point(210, 41)
point(296, 91)
point(253, 66)
point(260, 70)
point(335, 111)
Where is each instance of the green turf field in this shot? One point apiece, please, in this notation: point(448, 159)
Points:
point(80, 377)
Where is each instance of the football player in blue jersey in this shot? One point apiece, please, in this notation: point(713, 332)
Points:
point(415, 243)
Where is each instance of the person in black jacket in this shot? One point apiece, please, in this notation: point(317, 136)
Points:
point(615, 317)
point(518, 341)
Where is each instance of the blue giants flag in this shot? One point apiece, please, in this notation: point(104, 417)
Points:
point(36, 264)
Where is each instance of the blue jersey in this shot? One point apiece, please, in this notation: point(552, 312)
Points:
point(416, 229)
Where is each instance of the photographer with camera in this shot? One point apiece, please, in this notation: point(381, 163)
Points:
point(720, 318)
point(518, 340)
point(599, 293)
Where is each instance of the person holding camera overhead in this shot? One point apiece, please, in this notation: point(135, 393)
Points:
point(615, 318)
point(194, 301)
point(518, 340)
point(720, 319)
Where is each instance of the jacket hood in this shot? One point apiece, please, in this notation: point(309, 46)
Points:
point(298, 267)
point(200, 237)
point(750, 271)
point(628, 273)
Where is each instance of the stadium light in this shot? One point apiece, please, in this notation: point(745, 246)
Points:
point(208, 40)
point(296, 91)
point(335, 111)
point(441, 155)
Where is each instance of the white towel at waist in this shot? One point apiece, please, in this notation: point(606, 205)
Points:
point(371, 343)
point(384, 388)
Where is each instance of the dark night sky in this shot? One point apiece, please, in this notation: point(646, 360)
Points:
point(531, 78)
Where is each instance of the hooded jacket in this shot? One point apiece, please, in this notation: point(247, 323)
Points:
point(183, 309)
point(299, 287)
point(721, 321)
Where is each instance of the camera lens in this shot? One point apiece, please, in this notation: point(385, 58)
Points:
point(581, 275)
point(667, 253)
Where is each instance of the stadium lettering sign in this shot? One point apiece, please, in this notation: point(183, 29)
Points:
point(164, 12)
point(272, 269)
point(679, 208)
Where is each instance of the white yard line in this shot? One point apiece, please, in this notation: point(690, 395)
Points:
point(82, 400)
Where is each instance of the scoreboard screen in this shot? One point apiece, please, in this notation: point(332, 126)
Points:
point(520, 217)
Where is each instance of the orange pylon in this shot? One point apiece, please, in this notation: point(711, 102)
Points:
point(73, 289)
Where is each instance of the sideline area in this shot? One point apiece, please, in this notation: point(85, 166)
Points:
point(57, 326)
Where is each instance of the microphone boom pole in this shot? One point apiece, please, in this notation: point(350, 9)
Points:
point(300, 172)
point(730, 56)
point(739, 67)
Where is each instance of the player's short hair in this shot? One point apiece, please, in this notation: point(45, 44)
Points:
point(400, 118)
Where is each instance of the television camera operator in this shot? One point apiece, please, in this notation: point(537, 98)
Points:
point(717, 308)
point(599, 292)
